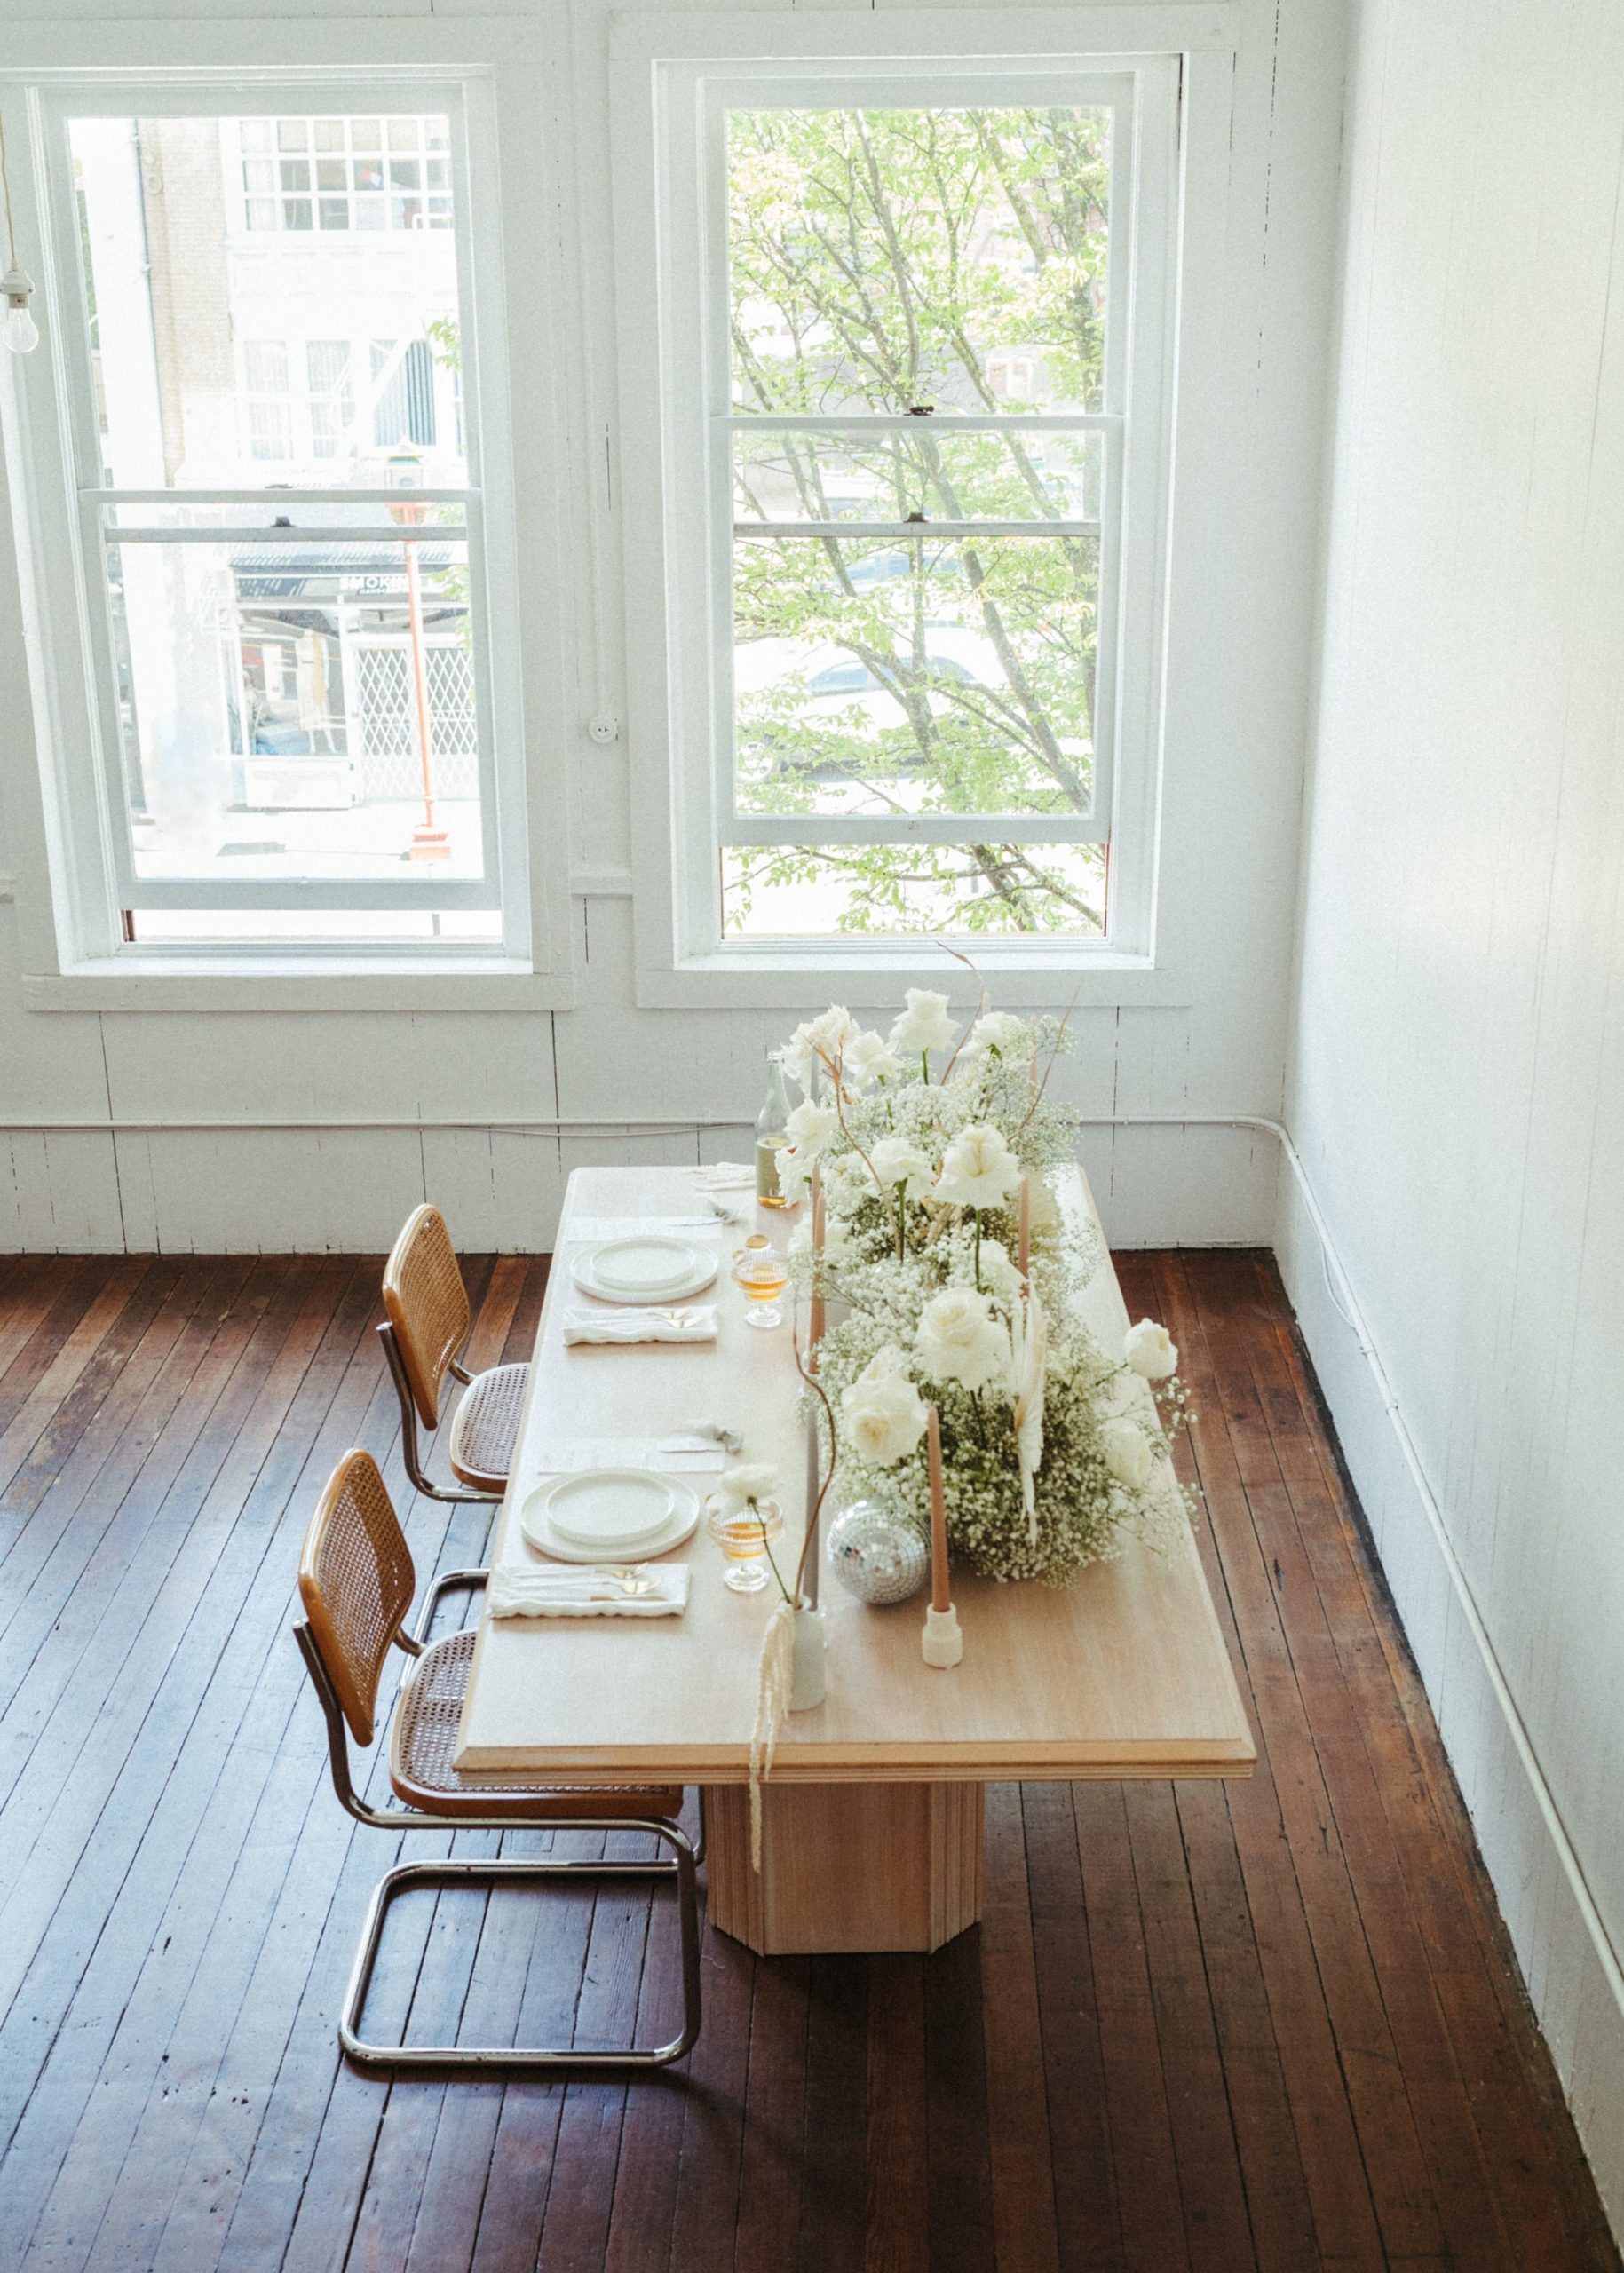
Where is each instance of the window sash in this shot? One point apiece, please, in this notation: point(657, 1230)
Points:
point(100, 533)
point(94, 530)
point(723, 421)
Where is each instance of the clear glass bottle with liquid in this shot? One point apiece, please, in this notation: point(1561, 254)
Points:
point(772, 1135)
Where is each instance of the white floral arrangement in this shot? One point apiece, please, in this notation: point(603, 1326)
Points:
point(934, 1151)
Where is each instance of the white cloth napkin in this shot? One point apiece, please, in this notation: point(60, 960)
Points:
point(724, 1175)
point(697, 1323)
point(578, 1590)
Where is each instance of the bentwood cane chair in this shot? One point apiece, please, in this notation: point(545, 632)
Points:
point(356, 1582)
point(423, 1337)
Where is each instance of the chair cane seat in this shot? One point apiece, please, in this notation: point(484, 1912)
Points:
point(422, 1743)
point(486, 1426)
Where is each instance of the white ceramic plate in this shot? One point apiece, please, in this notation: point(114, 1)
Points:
point(608, 1514)
point(647, 1270)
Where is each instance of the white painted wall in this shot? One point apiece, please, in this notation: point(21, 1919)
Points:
point(1456, 1082)
point(1237, 706)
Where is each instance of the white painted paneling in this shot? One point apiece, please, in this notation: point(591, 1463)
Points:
point(1457, 1074)
point(1250, 438)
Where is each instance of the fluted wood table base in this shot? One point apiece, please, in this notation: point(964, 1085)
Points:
point(845, 1868)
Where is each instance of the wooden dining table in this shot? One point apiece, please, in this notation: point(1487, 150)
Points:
point(872, 1815)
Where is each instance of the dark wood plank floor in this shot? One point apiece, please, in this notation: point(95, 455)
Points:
point(1270, 2024)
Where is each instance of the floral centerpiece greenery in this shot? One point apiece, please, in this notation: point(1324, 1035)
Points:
point(922, 1141)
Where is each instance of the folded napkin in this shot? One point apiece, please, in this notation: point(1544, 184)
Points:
point(581, 1590)
point(697, 1323)
point(722, 1175)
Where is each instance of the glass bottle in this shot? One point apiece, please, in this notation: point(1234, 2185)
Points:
point(772, 1135)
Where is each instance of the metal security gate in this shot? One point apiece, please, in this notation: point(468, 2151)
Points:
point(383, 715)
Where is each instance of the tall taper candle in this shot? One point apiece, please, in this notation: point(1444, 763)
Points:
point(1025, 1227)
point(940, 1598)
point(816, 1330)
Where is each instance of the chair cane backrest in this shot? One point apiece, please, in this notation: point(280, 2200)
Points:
point(356, 1582)
point(427, 1305)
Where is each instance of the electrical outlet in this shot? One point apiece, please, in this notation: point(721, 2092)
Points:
point(605, 728)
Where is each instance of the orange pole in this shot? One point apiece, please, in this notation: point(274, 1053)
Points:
point(414, 602)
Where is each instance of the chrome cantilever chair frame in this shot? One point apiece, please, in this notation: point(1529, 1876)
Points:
point(494, 1872)
point(411, 1452)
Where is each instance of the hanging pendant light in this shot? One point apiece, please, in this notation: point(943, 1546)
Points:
point(19, 330)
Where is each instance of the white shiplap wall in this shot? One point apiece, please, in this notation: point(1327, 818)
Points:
point(1456, 1082)
point(1250, 444)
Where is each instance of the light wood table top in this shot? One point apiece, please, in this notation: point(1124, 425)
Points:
point(1123, 1673)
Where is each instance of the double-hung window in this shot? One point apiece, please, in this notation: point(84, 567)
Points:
point(265, 407)
point(915, 330)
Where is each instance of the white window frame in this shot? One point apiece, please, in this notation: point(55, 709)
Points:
point(484, 76)
point(672, 80)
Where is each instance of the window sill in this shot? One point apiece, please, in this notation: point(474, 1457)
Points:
point(347, 982)
point(788, 976)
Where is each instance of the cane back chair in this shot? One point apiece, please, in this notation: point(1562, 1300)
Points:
point(356, 1583)
point(424, 1336)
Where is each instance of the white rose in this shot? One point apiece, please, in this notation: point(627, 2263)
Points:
point(1003, 1031)
point(883, 1413)
point(1150, 1351)
point(1000, 1271)
point(751, 1482)
point(960, 1340)
point(925, 1024)
point(896, 1162)
point(1043, 1208)
point(869, 1058)
point(811, 1129)
point(794, 1174)
point(980, 1170)
point(814, 1041)
point(1127, 1454)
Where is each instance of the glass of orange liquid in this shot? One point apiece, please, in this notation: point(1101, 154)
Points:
point(744, 1534)
point(761, 1272)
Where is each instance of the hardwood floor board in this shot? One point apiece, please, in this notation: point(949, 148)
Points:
point(1273, 2023)
point(1148, 2201)
point(1217, 2231)
point(1021, 2151)
point(897, 2205)
point(774, 2161)
point(52, 1546)
point(706, 2213)
point(1088, 2229)
point(958, 2130)
point(225, 1759)
point(834, 2207)
point(108, 1792)
point(1467, 2204)
point(63, 1614)
point(1395, 2164)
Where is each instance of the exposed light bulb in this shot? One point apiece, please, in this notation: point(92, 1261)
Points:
point(20, 331)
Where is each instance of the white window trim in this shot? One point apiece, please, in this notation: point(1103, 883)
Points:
point(497, 72)
point(664, 72)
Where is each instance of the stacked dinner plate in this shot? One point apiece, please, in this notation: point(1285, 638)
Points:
point(650, 1267)
point(605, 1514)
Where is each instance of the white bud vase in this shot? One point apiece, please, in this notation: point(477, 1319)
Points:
point(807, 1667)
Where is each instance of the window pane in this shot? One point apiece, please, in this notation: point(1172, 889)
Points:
point(315, 927)
point(273, 694)
point(880, 258)
point(948, 675)
point(782, 476)
point(184, 263)
point(808, 892)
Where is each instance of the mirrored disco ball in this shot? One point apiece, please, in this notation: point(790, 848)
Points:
point(876, 1556)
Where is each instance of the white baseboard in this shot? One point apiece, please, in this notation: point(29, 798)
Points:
point(1571, 1968)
